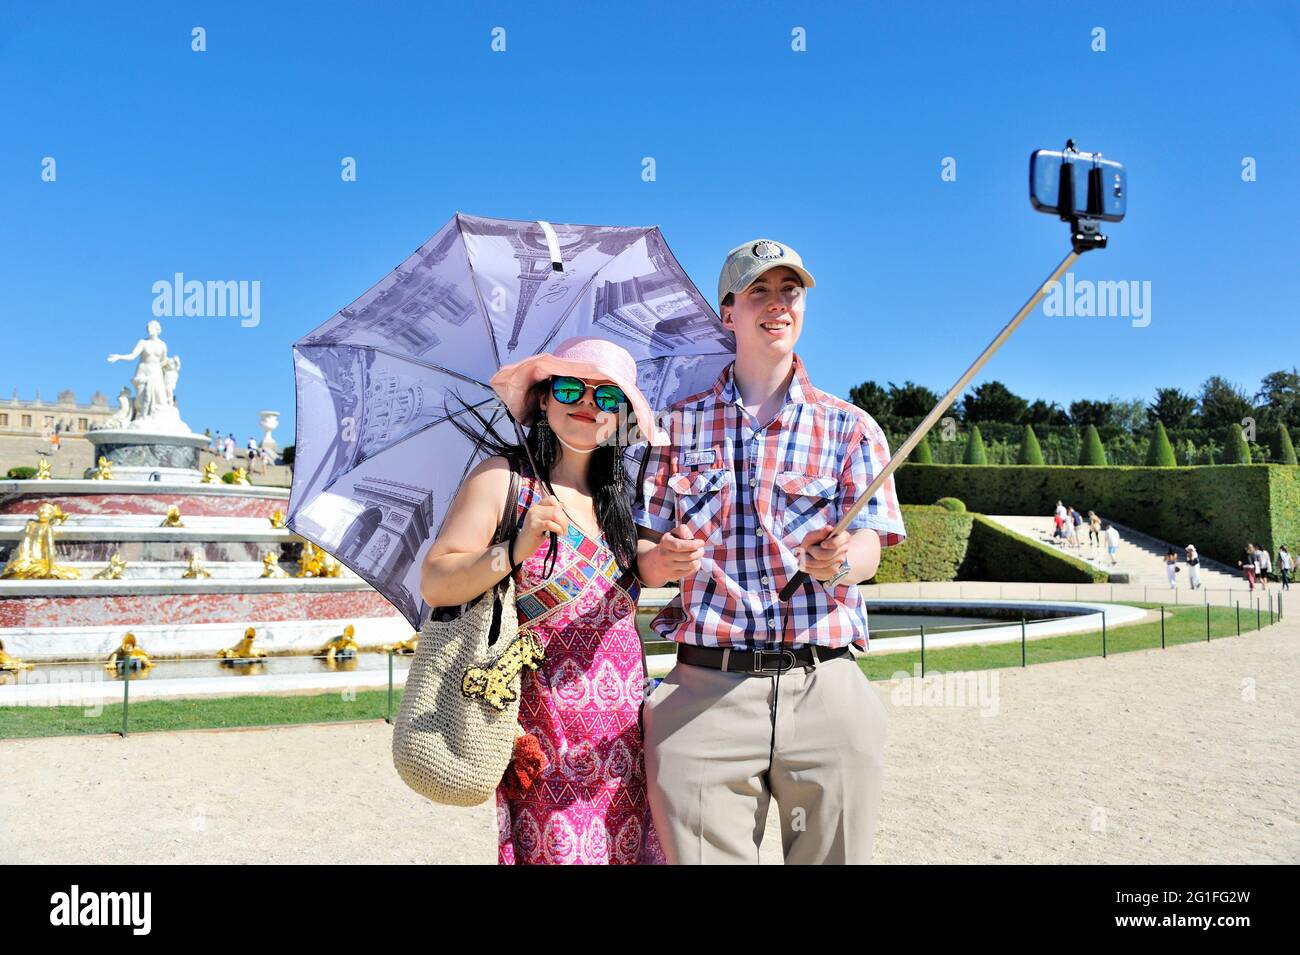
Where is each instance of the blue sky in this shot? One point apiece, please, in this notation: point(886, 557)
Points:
point(226, 165)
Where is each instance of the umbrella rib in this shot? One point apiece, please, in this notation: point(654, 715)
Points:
point(482, 308)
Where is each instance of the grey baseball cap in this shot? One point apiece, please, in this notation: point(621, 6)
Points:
point(748, 261)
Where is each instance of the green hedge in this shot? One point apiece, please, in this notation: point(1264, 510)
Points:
point(21, 473)
point(949, 545)
point(1217, 508)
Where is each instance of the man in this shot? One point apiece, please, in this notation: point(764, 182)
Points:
point(1112, 543)
point(766, 697)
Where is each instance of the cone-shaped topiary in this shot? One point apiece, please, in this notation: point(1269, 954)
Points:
point(1030, 450)
point(1283, 449)
point(1160, 453)
point(975, 453)
point(922, 454)
point(1237, 451)
point(1093, 454)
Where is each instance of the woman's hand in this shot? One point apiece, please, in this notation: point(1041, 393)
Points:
point(545, 516)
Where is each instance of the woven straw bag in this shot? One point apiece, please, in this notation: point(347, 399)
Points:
point(455, 731)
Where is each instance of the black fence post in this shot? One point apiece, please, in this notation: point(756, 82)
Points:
point(126, 690)
point(1022, 641)
point(1237, 604)
point(1258, 622)
point(1162, 626)
point(388, 716)
point(1103, 634)
point(1207, 623)
point(922, 649)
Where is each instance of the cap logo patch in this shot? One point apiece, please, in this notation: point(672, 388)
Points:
point(767, 250)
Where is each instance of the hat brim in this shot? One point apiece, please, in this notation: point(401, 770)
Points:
point(747, 279)
point(513, 382)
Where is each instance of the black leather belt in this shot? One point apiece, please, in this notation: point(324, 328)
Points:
point(756, 662)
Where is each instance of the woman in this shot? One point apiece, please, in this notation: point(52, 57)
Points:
point(1263, 566)
point(1284, 562)
point(1247, 565)
point(1171, 567)
point(1094, 529)
point(1194, 566)
point(576, 790)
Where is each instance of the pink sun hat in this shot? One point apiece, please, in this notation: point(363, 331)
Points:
point(584, 357)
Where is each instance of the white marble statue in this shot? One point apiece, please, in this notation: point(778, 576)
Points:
point(153, 408)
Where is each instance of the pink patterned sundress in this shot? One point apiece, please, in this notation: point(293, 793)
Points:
point(589, 806)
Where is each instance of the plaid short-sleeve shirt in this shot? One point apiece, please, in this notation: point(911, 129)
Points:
point(752, 491)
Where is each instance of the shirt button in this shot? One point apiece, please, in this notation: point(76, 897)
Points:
point(753, 482)
point(759, 532)
point(765, 581)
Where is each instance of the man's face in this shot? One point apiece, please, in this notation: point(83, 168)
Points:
point(767, 316)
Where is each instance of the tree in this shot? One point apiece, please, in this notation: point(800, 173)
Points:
point(1280, 392)
point(975, 453)
point(1091, 412)
point(993, 401)
point(1283, 449)
point(1128, 416)
point(1160, 453)
point(1223, 404)
point(1041, 412)
point(1175, 408)
point(1238, 451)
point(872, 399)
point(1093, 455)
point(911, 400)
point(922, 454)
point(1030, 450)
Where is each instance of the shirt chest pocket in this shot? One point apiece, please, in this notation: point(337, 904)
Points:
point(703, 501)
point(806, 503)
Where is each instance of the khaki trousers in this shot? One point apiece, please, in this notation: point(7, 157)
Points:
point(707, 740)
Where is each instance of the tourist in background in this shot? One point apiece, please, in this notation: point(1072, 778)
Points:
point(1263, 566)
point(1193, 566)
point(1112, 543)
point(1076, 521)
point(1285, 564)
point(1171, 567)
point(1094, 529)
point(1247, 565)
point(228, 448)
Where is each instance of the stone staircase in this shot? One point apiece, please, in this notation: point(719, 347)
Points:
point(1140, 556)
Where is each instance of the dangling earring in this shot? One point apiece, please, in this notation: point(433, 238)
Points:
point(545, 442)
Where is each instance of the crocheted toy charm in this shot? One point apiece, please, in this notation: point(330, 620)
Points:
point(493, 683)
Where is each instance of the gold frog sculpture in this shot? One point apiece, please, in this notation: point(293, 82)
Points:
point(493, 682)
point(116, 564)
point(344, 643)
point(244, 649)
point(104, 471)
point(129, 654)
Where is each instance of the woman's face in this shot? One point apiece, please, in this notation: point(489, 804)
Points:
point(582, 424)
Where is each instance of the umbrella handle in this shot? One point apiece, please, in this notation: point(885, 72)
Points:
point(801, 577)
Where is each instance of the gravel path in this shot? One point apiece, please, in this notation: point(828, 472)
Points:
point(1185, 755)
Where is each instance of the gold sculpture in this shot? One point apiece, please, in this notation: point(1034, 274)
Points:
point(105, 470)
point(10, 664)
point(493, 682)
point(43, 470)
point(244, 650)
point(344, 644)
point(195, 569)
point(315, 562)
point(173, 518)
point(277, 518)
point(271, 566)
point(408, 645)
point(241, 477)
point(129, 654)
point(210, 474)
point(34, 558)
point(114, 569)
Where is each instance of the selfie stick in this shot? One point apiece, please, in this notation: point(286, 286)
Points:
point(1084, 236)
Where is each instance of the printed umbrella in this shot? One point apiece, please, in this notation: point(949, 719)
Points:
point(377, 458)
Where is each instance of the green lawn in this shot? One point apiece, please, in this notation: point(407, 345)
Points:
point(1182, 625)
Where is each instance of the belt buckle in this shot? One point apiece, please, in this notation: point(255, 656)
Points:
point(758, 661)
